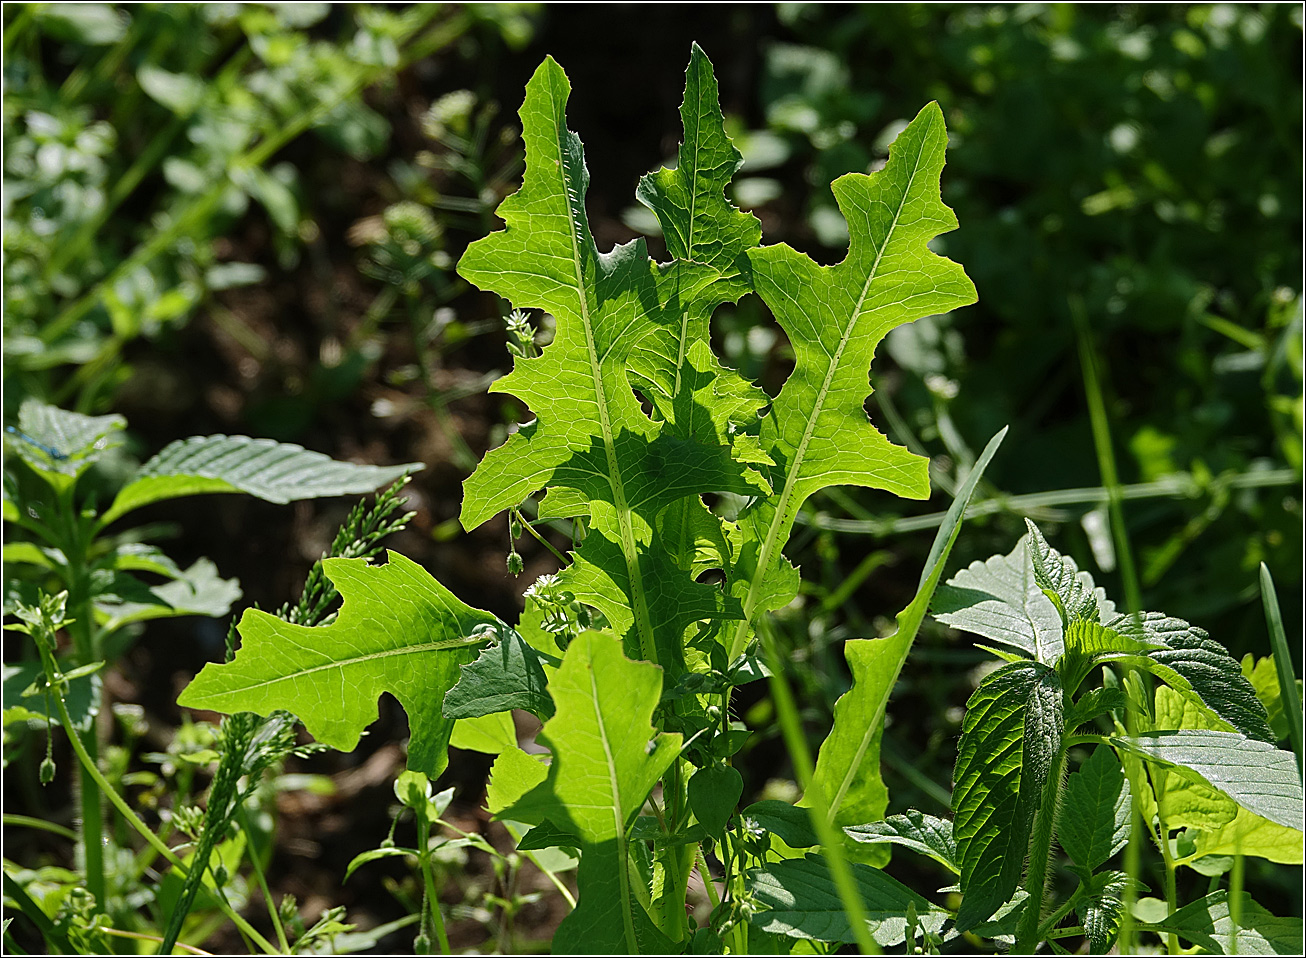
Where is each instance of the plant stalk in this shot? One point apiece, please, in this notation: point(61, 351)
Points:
point(1040, 851)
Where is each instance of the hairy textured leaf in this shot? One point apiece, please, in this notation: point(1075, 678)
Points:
point(1000, 600)
point(1197, 666)
point(1094, 822)
point(507, 676)
point(817, 432)
point(275, 471)
point(1258, 776)
point(602, 771)
point(848, 763)
point(591, 440)
point(60, 445)
point(1008, 739)
point(1209, 924)
point(915, 830)
point(797, 898)
point(398, 631)
point(1101, 909)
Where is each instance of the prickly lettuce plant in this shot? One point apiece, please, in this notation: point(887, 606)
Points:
point(629, 654)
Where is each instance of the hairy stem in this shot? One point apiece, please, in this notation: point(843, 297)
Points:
point(1040, 851)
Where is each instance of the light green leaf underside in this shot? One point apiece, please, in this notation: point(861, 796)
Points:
point(602, 771)
point(817, 431)
point(82, 697)
point(1094, 821)
point(1209, 924)
point(198, 590)
point(275, 471)
point(921, 833)
point(73, 441)
point(1256, 775)
point(1000, 600)
point(798, 899)
point(398, 631)
point(848, 763)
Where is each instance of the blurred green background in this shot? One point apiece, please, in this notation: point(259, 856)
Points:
point(243, 218)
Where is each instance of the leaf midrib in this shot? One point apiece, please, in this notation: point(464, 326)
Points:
point(639, 604)
point(777, 521)
point(356, 660)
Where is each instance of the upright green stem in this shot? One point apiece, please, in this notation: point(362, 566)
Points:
point(805, 768)
point(430, 897)
point(132, 818)
point(1106, 459)
point(1040, 850)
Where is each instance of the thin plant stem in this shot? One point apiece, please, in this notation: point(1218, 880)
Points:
point(1106, 459)
point(430, 898)
point(1040, 850)
point(26, 821)
point(132, 818)
point(1288, 693)
point(273, 913)
point(542, 541)
point(138, 936)
point(804, 767)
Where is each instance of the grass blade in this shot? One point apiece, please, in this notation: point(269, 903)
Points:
point(1282, 663)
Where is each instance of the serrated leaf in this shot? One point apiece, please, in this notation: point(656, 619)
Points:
point(602, 771)
point(506, 676)
point(1093, 703)
point(60, 445)
point(1197, 667)
point(591, 435)
point(1209, 924)
point(1101, 909)
point(915, 830)
point(817, 431)
point(1058, 576)
point(274, 471)
point(1094, 822)
point(398, 631)
point(848, 764)
point(798, 899)
point(1000, 600)
point(1258, 776)
point(1008, 739)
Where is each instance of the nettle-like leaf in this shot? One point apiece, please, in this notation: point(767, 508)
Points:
point(398, 631)
point(817, 432)
point(798, 899)
point(602, 771)
point(1196, 666)
point(848, 763)
point(1101, 909)
point(915, 830)
point(60, 445)
point(274, 471)
point(198, 590)
point(1000, 600)
point(1094, 822)
point(1072, 591)
point(1009, 739)
point(592, 444)
point(1256, 775)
